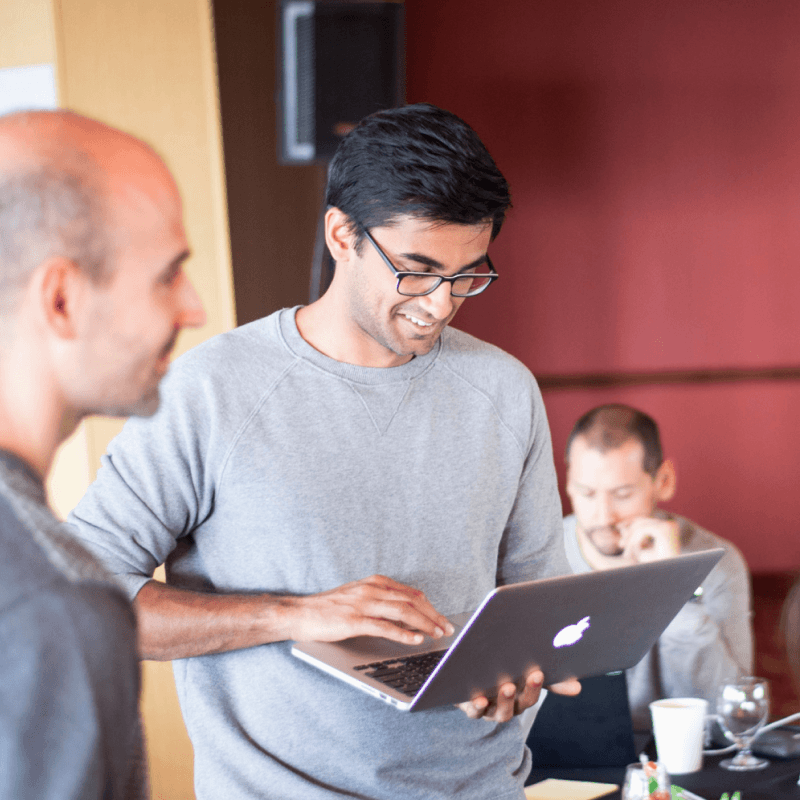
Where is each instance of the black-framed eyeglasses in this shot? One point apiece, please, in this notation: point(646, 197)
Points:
point(417, 284)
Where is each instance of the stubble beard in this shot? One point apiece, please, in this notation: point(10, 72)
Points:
point(148, 401)
point(606, 540)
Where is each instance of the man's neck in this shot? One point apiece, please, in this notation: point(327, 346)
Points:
point(39, 458)
point(326, 329)
point(33, 420)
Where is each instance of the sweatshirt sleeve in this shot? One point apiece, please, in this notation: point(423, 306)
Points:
point(154, 486)
point(533, 541)
point(710, 641)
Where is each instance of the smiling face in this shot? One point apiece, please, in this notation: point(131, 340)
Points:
point(391, 328)
point(129, 323)
point(609, 488)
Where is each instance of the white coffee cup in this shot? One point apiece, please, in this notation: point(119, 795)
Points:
point(679, 729)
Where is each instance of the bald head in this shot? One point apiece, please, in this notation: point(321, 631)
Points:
point(93, 293)
point(58, 172)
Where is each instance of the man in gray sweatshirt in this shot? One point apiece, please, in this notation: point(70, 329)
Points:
point(352, 467)
point(616, 478)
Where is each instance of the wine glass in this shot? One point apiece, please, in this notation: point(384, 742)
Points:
point(742, 708)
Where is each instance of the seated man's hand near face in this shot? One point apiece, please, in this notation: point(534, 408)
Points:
point(646, 539)
point(510, 701)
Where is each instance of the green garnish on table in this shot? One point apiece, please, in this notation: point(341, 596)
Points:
point(680, 794)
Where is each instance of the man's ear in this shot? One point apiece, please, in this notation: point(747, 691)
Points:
point(665, 481)
point(59, 285)
point(339, 234)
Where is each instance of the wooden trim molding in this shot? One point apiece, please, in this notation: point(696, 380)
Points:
point(599, 380)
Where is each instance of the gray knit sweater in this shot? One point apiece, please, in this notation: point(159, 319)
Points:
point(270, 467)
point(709, 641)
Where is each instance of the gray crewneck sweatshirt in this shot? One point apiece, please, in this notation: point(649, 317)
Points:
point(709, 642)
point(272, 468)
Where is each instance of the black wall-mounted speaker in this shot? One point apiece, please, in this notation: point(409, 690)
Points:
point(339, 62)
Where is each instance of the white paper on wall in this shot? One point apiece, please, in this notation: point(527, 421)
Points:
point(27, 87)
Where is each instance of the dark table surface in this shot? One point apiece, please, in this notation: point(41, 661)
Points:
point(775, 782)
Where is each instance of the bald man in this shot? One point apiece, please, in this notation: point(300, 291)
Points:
point(92, 298)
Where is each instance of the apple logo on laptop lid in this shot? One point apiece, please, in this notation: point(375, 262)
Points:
point(571, 634)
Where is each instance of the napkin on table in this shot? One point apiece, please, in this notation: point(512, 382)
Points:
point(557, 789)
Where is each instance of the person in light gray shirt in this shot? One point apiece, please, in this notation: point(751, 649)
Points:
point(616, 477)
point(351, 467)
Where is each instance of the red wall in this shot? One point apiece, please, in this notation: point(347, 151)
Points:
point(653, 151)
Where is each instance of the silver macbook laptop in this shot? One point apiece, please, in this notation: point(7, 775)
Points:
point(572, 626)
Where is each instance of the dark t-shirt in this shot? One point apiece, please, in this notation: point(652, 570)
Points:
point(69, 678)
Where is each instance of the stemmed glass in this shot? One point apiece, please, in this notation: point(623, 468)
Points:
point(742, 708)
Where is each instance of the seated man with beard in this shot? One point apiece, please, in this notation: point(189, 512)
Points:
point(616, 478)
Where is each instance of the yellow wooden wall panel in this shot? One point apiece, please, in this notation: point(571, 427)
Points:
point(26, 33)
point(148, 67)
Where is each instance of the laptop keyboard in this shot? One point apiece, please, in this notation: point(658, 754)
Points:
point(404, 674)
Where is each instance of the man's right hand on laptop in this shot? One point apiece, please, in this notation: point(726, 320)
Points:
point(374, 606)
